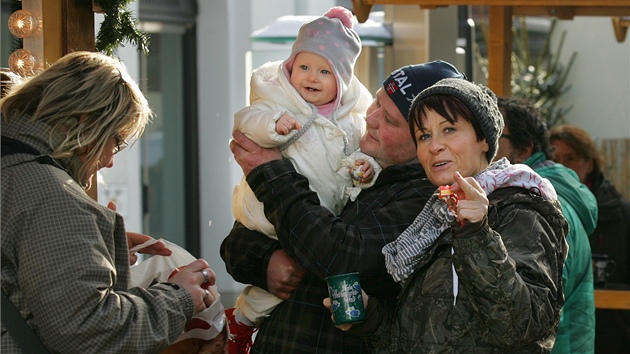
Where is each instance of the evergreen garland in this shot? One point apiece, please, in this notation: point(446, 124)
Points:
point(539, 77)
point(118, 26)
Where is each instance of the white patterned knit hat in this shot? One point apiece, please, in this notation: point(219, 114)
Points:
point(332, 37)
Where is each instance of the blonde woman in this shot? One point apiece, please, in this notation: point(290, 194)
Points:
point(65, 258)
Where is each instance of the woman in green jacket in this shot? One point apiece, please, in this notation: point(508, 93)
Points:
point(525, 139)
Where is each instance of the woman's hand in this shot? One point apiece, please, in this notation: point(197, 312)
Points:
point(135, 239)
point(473, 202)
point(250, 155)
point(196, 278)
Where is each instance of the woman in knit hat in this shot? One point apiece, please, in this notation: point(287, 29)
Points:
point(312, 107)
point(485, 275)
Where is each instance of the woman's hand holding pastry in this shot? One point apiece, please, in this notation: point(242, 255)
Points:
point(473, 202)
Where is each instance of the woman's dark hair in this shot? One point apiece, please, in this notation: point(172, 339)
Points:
point(449, 107)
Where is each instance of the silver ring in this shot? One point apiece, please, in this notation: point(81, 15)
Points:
point(206, 295)
point(205, 275)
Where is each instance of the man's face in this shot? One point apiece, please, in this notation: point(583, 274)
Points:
point(505, 147)
point(387, 138)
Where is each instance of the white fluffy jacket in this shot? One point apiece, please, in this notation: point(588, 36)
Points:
point(318, 154)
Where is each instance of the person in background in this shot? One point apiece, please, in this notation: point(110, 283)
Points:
point(313, 107)
point(525, 139)
point(313, 239)
point(65, 258)
point(575, 149)
point(482, 273)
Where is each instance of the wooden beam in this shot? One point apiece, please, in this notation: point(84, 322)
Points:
point(68, 27)
point(78, 26)
point(52, 19)
point(563, 11)
point(361, 10)
point(612, 299)
point(500, 50)
point(555, 3)
point(620, 26)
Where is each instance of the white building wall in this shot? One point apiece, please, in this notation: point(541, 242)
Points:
point(599, 78)
point(223, 31)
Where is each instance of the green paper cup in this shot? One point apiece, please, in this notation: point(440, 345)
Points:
point(346, 298)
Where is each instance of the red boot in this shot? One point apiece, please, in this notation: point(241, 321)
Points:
point(240, 338)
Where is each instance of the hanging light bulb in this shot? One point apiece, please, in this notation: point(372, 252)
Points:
point(23, 62)
point(23, 24)
point(27, 24)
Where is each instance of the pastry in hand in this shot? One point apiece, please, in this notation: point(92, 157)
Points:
point(450, 198)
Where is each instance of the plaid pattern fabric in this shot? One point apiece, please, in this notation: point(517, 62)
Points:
point(325, 245)
point(65, 264)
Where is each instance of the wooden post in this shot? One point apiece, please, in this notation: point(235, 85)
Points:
point(361, 10)
point(68, 27)
point(500, 50)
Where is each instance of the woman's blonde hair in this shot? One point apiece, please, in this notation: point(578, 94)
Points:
point(87, 96)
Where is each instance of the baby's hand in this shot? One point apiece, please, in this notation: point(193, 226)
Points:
point(362, 172)
point(286, 123)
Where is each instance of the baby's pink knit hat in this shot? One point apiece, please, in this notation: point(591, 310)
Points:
point(332, 37)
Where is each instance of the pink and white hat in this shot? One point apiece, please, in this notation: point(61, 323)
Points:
point(332, 37)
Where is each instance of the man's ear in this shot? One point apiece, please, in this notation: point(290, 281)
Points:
point(524, 153)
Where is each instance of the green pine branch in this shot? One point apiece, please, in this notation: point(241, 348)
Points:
point(542, 78)
point(119, 26)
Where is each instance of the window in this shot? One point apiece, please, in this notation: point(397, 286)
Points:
point(169, 144)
